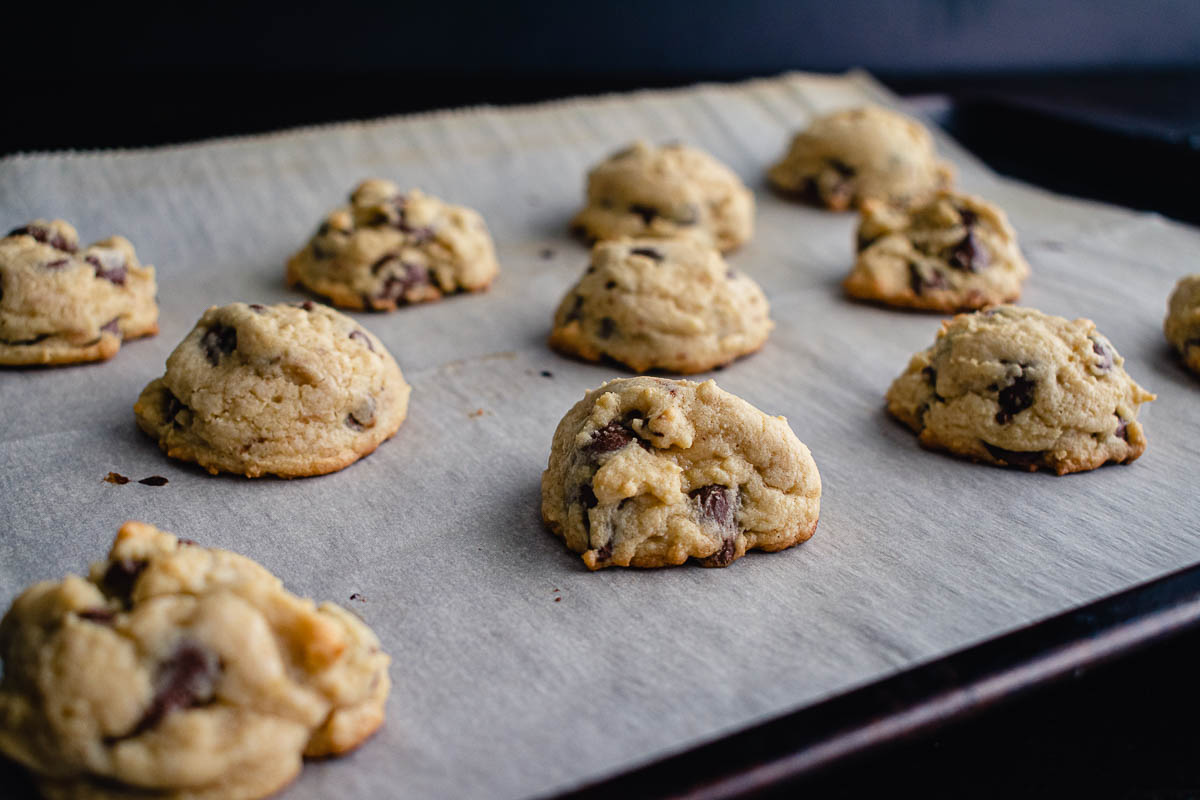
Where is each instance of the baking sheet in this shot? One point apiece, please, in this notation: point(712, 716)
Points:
point(517, 672)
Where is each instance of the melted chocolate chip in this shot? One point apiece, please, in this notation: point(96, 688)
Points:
point(397, 285)
point(1016, 458)
point(217, 341)
point(101, 616)
point(723, 557)
point(647, 213)
point(1105, 351)
point(363, 338)
point(919, 283)
point(648, 252)
point(120, 577)
point(43, 235)
point(714, 505)
point(967, 216)
point(969, 254)
point(930, 375)
point(613, 436)
point(1122, 429)
point(58, 263)
point(185, 680)
point(610, 285)
point(307, 305)
point(171, 406)
point(111, 272)
point(113, 326)
point(154, 480)
point(363, 415)
point(607, 328)
point(605, 553)
point(1015, 398)
point(257, 308)
point(116, 478)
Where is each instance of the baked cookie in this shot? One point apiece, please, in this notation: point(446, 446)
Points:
point(175, 671)
point(952, 253)
point(1018, 388)
point(661, 304)
point(388, 248)
point(847, 156)
point(1182, 325)
point(288, 390)
point(648, 472)
point(61, 305)
point(666, 192)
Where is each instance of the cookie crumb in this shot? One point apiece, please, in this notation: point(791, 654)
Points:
point(117, 478)
point(154, 480)
point(547, 373)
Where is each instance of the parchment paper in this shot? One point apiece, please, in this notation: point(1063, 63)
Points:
point(517, 672)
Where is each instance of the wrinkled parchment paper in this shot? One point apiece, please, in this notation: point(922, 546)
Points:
point(517, 672)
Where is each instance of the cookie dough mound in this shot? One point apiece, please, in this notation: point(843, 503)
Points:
point(1182, 325)
point(61, 305)
point(289, 390)
point(847, 156)
point(388, 248)
point(666, 192)
point(648, 472)
point(176, 671)
point(953, 253)
point(661, 304)
point(1018, 388)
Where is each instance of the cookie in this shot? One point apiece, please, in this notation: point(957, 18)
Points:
point(1182, 325)
point(288, 390)
point(1018, 388)
point(666, 192)
point(952, 253)
point(176, 671)
point(389, 248)
point(848, 156)
point(61, 305)
point(661, 304)
point(649, 472)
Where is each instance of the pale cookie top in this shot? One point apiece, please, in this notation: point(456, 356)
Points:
point(176, 671)
point(1016, 387)
point(289, 390)
point(847, 156)
point(666, 192)
point(60, 305)
point(388, 248)
point(952, 253)
point(649, 472)
point(661, 304)
point(1182, 325)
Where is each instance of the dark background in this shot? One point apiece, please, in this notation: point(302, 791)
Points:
point(1099, 98)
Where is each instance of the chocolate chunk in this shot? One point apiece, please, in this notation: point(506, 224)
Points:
point(1105, 351)
point(1016, 458)
point(171, 406)
point(919, 283)
point(397, 285)
point(713, 503)
point(723, 557)
point(112, 271)
point(43, 235)
point(120, 577)
point(1015, 398)
point(101, 616)
point(117, 478)
point(1122, 428)
point(362, 416)
point(363, 338)
point(185, 680)
point(648, 252)
point(647, 213)
point(217, 341)
point(113, 326)
point(154, 480)
point(969, 254)
point(613, 436)
point(307, 305)
point(607, 328)
point(58, 263)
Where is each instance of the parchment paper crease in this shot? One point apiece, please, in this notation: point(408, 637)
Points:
point(501, 689)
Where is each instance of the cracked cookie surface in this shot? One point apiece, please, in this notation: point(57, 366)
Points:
point(60, 304)
point(845, 157)
point(953, 253)
point(389, 248)
point(649, 472)
point(288, 390)
point(1015, 387)
point(673, 191)
point(661, 304)
point(176, 671)
point(1182, 324)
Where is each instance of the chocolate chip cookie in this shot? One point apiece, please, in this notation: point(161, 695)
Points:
point(288, 390)
point(661, 304)
point(666, 192)
point(649, 472)
point(847, 156)
point(1018, 388)
point(389, 248)
point(952, 253)
point(176, 671)
point(63, 305)
point(1182, 325)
